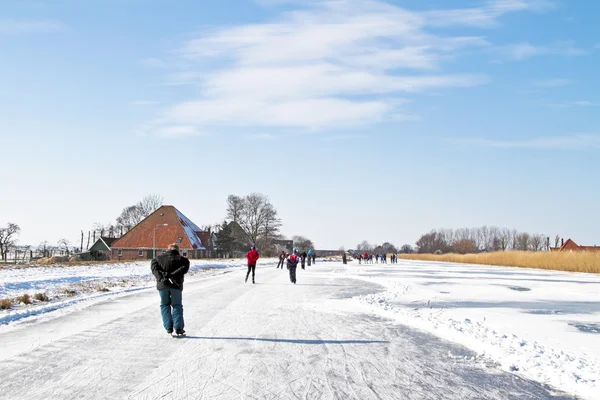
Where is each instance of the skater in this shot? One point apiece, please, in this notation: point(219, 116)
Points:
point(314, 255)
point(310, 256)
point(344, 260)
point(303, 259)
point(252, 257)
point(292, 264)
point(281, 259)
point(169, 270)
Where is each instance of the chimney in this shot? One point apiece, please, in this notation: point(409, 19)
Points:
point(562, 242)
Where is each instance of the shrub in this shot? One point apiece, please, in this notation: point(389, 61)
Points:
point(25, 299)
point(40, 297)
point(5, 304)
point(104, 289)
point(70, 292)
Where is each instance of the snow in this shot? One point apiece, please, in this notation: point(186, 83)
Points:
point(92, 283)
point(190, 230)
point(542, 325)
point(412, 330)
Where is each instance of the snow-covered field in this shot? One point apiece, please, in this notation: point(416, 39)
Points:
point(76, 287)
point(322, 338)
point(543, 325)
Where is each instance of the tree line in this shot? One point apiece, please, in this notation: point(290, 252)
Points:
point(482, 239)
point(252, 220)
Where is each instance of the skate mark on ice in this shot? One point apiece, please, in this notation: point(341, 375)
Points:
point(293, 341)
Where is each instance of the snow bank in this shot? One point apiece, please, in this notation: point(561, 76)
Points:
point(84, 285)
point(523, 320)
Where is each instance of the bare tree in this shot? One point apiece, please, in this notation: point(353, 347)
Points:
point(522, 241)
point(66, 243)
point(364, 246)
point(537, 242)
point(235, 208)
point(389, 248)
point(130, 217)
point(44, 249)
point(465, 246)
point(256, 216)
point(149, 204)
point(302, 243)
point(133, 215)
point(557, 241)
point(406, 249)
point(8, 238)
point(432, 242)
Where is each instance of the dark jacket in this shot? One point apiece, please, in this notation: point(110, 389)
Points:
point(169, 269)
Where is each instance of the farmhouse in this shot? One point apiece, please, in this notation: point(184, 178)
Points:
point(154, 234)
point(570, 245)
point(101, 249)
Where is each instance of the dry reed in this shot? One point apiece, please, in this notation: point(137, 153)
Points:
point(561, 261)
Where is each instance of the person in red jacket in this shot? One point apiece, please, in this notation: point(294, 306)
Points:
point(252, 257)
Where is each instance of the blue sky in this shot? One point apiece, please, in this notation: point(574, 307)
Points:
point(359, 119)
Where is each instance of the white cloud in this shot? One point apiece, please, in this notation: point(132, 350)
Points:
point(555, 82)
point(144, 103)
point(585, 103)
point(486, 15)
point(177, 131)
point(29, 26)
point(326, 64)
point(155, 62)
point(572, 142)
point(523, 51)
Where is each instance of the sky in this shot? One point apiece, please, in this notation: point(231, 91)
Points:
point(359, 119)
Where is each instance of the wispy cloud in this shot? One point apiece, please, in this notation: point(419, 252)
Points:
point(585, 103)
point(571, 142)
point(145, 103)
point(342, 63)
point(177, 131)
point(524, 50)
point(555, 82)
point(344, 137)
point(488, 14)
point(155, 62)
point(29, 26)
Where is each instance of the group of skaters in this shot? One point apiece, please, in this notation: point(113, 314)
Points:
point(291, 260)
point(169, 270)
point(377, 258)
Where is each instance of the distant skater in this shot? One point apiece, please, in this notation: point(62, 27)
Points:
point(344, 260)
point(281, 260)
point(292, 264)
point(310, 256)
point(169, 270)
point(303, 259)
point(252, 257)
point(314, 256)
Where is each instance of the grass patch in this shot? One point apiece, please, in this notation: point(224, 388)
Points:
point(560, 261)
point(40, 297)
point(25, 299)
point(5, 304)
point(70, 292)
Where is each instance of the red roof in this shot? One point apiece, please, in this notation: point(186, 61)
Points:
point(178, 229)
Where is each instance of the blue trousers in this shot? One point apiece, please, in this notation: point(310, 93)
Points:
point(171, 308)
point(292, 274)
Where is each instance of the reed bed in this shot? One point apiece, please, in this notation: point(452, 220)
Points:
point(583, 261)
